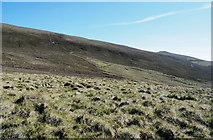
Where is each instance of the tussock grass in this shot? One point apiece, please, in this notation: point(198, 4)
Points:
point(48, 106)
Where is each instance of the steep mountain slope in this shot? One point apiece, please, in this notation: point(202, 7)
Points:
point(35, 51)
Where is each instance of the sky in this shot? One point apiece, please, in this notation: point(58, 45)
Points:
point(177, 27)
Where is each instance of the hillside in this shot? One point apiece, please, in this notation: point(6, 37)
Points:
point(187, 58)
point(59, 86)
point(35, 51)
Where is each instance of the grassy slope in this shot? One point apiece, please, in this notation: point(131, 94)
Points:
point(37, 106)
point(28, 51)
point(187, 58)
point(149, 76)
point(33, 51)
point(40, 105)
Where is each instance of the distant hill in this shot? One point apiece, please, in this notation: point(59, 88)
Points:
point(35, 51)
point(187, 58)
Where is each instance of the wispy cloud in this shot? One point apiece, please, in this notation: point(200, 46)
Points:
point(206, 6)
point(144, 20)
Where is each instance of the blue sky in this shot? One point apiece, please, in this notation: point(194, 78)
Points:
point(183, 28)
